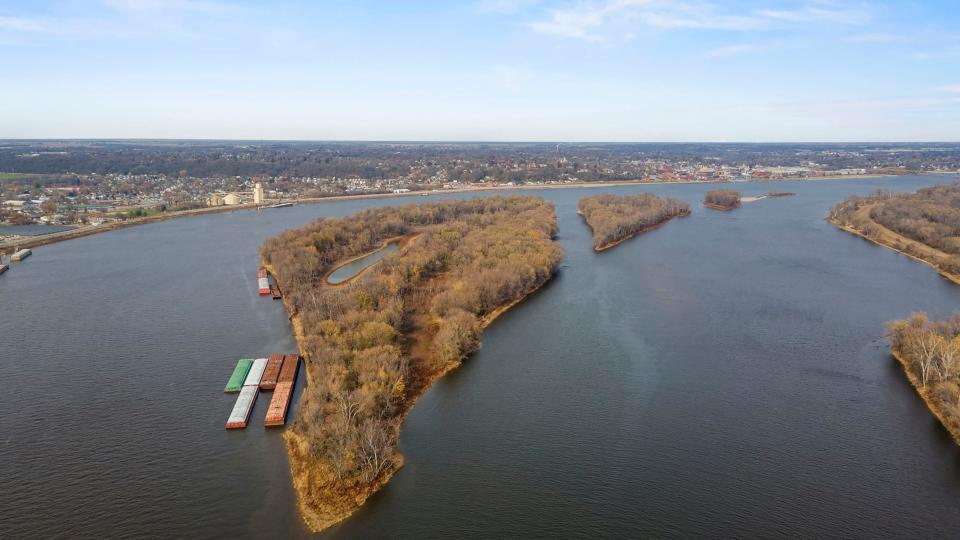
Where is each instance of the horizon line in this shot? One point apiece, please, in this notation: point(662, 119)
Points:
point(470, 141)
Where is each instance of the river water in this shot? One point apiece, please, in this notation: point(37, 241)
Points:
point(724, 375)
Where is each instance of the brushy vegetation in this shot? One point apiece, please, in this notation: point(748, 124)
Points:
point(374, 345)
point(724, 198)
point(930, 217)
point(613, 218)
point(930, 352)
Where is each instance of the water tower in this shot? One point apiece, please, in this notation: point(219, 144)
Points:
point(258, 193)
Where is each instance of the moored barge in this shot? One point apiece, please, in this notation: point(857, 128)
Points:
point(272, 372)
point(263, 282)
point(21, 255)
point(235, 383)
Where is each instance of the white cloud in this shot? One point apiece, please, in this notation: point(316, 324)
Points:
point(952, 88)
point(822, 12)
point(22, 24)
point(597, 20)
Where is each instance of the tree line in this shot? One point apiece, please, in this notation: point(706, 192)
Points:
point(615, 217)
point(727, 198)
point(931, 216)
point(930, 352)
point(374, 345)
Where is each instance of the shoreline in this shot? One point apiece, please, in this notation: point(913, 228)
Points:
point(80, 232)
point(721, 207)
point(358, 497)
point(952, 429)
point(608, 245)
point(954, 278)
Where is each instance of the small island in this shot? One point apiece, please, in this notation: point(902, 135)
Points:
point(924, 225)
point(929, 352)
point(721, 199)
point(616, 218)
point(374, 344)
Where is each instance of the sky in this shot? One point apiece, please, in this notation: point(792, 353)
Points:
point(482, 70)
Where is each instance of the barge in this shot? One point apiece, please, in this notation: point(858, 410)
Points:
point(242, 408)
point(235, 384)
point(248, 396)
point(263, 282)
point(256, 372)
point(3, 268)
point(21, 255)
point(272, 372)
point(283, 392)
point(279, 405)
point(288, 373)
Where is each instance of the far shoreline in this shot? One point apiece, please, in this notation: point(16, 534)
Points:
point(80, 232)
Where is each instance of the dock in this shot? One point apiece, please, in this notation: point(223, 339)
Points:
point(3, 268)
point(235, 384)
point(20, 255)
point(275, 291)
point(272, 372)
point(283, 392)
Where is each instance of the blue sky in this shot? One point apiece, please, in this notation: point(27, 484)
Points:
point(582, 70)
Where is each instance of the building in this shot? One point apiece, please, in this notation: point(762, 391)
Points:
point(231, 199)
point(258, 193)
point(215, 200)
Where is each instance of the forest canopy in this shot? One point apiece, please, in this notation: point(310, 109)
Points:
point(930, 217)
point(725, 198)
point(376, 344)
point(614, 218)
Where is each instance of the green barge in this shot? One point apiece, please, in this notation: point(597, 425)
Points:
point(239, 375)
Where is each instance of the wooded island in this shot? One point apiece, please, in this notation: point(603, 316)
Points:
point(721, 199)
point(924, 225)
point(615, 218)
point(374, 345)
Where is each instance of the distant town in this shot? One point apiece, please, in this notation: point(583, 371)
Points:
point(80, 183)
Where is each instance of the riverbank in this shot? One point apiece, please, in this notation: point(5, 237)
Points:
point(95, 229)
point(884, 237)
point(633, 234)
point(722, 207)
point(952, 425)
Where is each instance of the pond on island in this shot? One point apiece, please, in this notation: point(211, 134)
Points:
point(354, 267)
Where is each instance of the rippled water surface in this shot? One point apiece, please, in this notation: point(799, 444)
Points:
point(724, 375)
